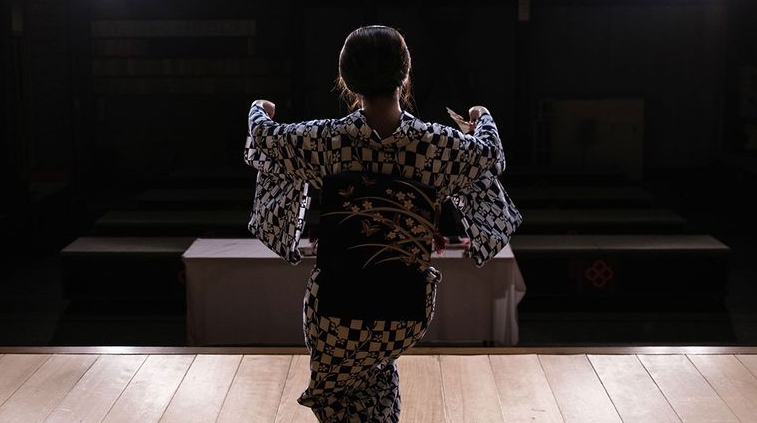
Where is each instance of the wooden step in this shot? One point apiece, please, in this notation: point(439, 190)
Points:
point(597, 221)
point(240, 175)
point(563, 175)
point(623, 272)
point(196, 223)
point(125, 274)
point(196, 198)
point(580, 196)
point(8, 236)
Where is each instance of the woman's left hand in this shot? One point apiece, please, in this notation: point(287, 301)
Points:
point(268, 106)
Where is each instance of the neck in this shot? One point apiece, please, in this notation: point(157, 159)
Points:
point(382, 113)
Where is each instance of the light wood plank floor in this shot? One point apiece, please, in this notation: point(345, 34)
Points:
point(455, 385)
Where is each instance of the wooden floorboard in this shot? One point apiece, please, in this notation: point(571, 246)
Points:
point(628, 384)
point(289, 411)
point(97, 390)
point(732, 381)
point(469, 389)
point(578, 391)
point(523, 389)
point(688, 392)
point(559, 385)
point(147, 396)
point(256, 391)
point(421, 388)
point(16, 369)
point(45, 389)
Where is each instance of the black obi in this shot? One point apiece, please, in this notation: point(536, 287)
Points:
point(374, 246)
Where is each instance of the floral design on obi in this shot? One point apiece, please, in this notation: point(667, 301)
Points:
point(396, 219)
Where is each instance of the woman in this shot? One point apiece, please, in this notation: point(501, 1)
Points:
point(382, 174)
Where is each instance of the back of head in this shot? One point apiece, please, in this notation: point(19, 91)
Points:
point(374, 62)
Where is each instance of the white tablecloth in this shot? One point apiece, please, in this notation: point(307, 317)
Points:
point(240, 293)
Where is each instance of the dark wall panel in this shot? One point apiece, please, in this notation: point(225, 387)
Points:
point(672, 57)
point(114, 80)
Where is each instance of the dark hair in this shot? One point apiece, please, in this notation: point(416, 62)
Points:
point(374, 61)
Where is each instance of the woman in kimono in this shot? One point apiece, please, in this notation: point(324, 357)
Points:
point(382, 174)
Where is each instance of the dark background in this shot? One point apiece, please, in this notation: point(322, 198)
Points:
point(101, 99)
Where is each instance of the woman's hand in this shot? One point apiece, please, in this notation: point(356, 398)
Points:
point(468, 126)
point(476, 111)
point(268, 106)
point(463, 124)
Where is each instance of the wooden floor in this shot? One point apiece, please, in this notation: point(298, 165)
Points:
point(183, 385)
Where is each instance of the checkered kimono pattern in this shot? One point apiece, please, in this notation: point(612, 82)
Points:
point(465, 168)
point(353, 372)
point(353, 368)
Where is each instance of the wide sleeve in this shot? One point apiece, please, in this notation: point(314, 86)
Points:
point(459, 160)
point(280, 201)
point(300, 149)
point(488, 214)
point(278, 214)
point(489, 217)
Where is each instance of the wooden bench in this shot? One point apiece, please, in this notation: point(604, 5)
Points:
point(745, 164)
point(580, 196)
point(524, 196)
point(597, 221)
point(197, 223)
point(564, 175)
point(196, 198)
point(7, 235)
point(238, 175)
point(622, 272)
point(125, 274)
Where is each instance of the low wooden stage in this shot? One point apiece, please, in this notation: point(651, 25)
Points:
point(456, 385)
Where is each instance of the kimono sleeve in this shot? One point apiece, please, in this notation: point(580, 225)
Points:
point(278, 213)
point(489, 216)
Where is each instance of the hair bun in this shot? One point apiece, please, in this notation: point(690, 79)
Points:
point(374, 61)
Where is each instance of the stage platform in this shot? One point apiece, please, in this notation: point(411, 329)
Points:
point(582, 385)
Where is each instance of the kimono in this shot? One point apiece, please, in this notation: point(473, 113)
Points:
point(371, 293)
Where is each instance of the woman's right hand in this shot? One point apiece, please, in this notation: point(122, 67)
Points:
point(268, 106)
point(475, 112)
